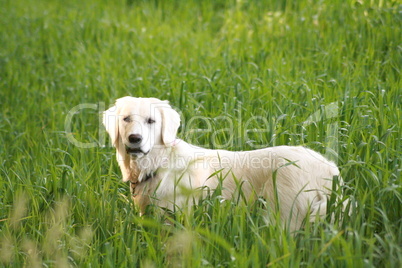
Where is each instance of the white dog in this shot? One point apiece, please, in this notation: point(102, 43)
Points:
point(163, 169)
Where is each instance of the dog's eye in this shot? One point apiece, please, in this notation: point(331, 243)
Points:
point(127, 119)
point(150, 121)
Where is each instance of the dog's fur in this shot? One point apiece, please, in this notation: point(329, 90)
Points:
point(163, 170)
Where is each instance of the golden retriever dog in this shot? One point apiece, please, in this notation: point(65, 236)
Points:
point(167, 171)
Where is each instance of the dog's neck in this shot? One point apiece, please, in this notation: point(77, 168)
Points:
point(147, 166)
point(147, 177)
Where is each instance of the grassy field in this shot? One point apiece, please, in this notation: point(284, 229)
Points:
point(244, 74)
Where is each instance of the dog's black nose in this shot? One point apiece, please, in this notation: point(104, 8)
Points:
point(135, 138)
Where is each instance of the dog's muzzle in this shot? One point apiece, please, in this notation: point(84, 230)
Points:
point(137, 152)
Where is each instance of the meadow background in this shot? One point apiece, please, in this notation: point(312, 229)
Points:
point(284, 61)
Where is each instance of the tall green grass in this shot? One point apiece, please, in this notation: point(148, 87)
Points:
point(285, 62)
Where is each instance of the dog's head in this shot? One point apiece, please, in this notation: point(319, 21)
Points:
point(141, 124)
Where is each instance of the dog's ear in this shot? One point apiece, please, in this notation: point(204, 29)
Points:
point(111, 123)
point(170, 124)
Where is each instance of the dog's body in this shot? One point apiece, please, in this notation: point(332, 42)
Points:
point(170, 172)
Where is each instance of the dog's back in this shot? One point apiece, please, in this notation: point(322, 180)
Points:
point(295, 179)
